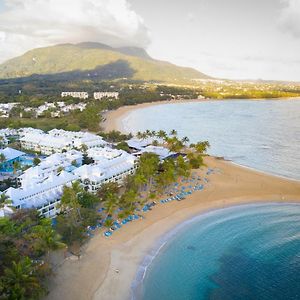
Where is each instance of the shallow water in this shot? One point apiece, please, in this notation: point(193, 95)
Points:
point(263, 134)
point(238, 253)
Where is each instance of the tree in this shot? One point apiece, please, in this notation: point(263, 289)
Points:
point(60, 169)
point(155, 143)
point(139, 135)
point(196, 161)
point(202, 147)
point(148, 165)
point(84, 148)
point(183, 168)
point(185, 140)
point(123, 146)
point(2, 158)
point(21, 281)
point(173, 132)
point(16, 166)
point(110, 203)
point(129, 198)
point(4, 200)
point(36, 161)
point(107, 188)
point(86, 160)
point(47, 237)
point(161, 134)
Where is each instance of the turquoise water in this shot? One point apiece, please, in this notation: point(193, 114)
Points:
point(264, 135)
point(238, 253)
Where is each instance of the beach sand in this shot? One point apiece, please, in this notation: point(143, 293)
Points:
point(109, 265)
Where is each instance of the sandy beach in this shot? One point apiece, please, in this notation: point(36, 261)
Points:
point(113, 119)
point(108, 266)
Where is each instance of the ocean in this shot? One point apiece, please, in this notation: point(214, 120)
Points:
point(237, 253)
point(262, 134)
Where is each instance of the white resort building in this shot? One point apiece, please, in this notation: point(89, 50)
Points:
point(101, 95)
point(44, 196)
point(58, 141)
point(111, 167)
point(80, 95)
point(52, 165)
point(161, 152)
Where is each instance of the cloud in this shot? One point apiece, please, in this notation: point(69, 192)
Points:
point(290, 17)
point(26, 24)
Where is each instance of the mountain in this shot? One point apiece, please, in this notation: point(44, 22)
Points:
point(95, 59)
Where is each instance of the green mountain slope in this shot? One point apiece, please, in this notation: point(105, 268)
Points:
point(90, 56)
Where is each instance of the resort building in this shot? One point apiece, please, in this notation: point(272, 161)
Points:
point(8, 157)
point(51, 165)
point(106, 169)
point(44, 143)
point(58, 141)
point(78, 139)
point(139, 144)
point(161, 152)
point(44, 196)
point(101, 95)
point(105, 154)
point(80, 95)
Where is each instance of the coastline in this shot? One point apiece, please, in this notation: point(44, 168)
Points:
point(113, 119)
point(94, 275)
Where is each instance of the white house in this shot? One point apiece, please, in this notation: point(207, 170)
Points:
point(44, 196)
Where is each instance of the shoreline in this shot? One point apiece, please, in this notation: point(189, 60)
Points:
point(113, 119)
point(164, 239)
point(94, 275)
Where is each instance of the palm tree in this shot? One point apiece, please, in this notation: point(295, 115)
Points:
point(148, 133)
point(48, 237)
point(21, 282)
point(16, 166)
point(129, 198)
point(2, 158)
point(173, 132)
point(201, 147)
point(140, 180)
point(139, 135)
point(161, 134)
point(4, 201)
point(185, 140)
point(84, 148)
point(110, 204)
point(155, 143)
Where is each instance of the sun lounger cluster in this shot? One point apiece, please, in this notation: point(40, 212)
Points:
point(119, 224)
point(184, 192)
point(178, 193)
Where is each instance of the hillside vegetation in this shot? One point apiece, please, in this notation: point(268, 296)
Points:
point(91, 57)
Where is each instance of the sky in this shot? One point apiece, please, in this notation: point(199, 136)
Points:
point(235, 39)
